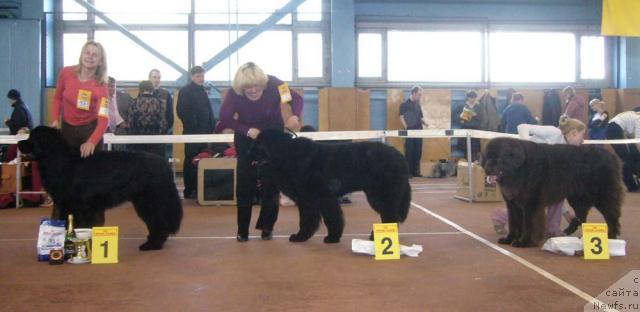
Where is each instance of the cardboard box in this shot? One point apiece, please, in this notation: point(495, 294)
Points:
point(483, 191)
point(217, 181)
point(426, 168)
point(8, 179)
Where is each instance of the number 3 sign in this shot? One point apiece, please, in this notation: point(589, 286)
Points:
point(385, 237)
point(595, 240)
point(104, 248)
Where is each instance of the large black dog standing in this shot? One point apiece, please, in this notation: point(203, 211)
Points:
point(86, 187)
point(532, 176)
point(315, 175)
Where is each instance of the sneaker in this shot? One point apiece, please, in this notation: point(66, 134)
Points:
point(266, 235)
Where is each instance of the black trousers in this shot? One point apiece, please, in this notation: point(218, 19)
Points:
point(249, 175)
point(413, 154)
point(628, 153)
point(190, 173)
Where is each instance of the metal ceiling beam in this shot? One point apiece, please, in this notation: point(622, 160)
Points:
point(246, 38)
point(92, 9)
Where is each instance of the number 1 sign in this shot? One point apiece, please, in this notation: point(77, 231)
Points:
point(385, 238)
point(104, 248)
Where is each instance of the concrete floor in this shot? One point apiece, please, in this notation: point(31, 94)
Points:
point(203, 268)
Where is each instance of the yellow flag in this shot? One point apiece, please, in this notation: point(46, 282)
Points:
point(621, 18)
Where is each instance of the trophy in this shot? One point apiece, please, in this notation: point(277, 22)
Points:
point(82, 245)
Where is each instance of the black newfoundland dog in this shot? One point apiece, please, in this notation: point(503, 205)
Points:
point(533, 176)
point(315, 175)
point(86, 187)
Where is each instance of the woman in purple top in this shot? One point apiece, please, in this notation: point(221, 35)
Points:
point(254, 104)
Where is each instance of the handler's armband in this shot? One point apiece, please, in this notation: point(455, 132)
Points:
point(285, 93)
point(104, 107)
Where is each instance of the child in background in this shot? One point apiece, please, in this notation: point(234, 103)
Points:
point(599, 121)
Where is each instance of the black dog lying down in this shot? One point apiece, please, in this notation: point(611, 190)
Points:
point(533, 176)
point(315, 175)
point(86, 187)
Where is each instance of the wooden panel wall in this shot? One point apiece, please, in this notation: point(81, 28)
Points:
point(343, 109)
point(436, 107)
point(395, 97)
point(610, 97)
point(629, 99)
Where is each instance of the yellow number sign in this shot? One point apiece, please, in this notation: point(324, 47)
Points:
point(385, 238)
point(104, 248)
point(595, 241)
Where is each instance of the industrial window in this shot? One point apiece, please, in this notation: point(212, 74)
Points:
point(72, 45)
point(238, 11)
point(532, 57)
point(75, 11)
point(310, 10)
point(592, 57)
point(145, 11)
point(129, 61)
point(310, 55)
point(442, 56)
point(271, 50)
point(369, 55)
point(164, 25)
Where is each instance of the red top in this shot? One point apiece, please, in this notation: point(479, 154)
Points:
point(81, 102)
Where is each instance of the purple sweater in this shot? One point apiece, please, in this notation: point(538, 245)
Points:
point(261, 114)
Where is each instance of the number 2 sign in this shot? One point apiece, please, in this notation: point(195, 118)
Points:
point(104, 246)
point(385, 238)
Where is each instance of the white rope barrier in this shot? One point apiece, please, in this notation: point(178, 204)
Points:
point(110, 139)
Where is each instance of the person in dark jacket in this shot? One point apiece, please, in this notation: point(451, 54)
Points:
point(197, 117)
point(551, 109)
point(411, 118)
point(516, 114)
point(20, 117)
point(147, 117)
point(155, 77)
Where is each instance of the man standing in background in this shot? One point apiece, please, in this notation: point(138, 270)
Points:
point(412, 119)
point(197, 117)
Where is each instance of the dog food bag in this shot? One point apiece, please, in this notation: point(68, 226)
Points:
point(50, 236)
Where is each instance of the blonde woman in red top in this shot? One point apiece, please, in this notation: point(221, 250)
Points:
point(82, 100)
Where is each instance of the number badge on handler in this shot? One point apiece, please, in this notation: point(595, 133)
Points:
point(596, 241)
point(385, 238)
point(104, 247)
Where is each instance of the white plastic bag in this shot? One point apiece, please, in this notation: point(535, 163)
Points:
point(570, 245)
point(367, 247)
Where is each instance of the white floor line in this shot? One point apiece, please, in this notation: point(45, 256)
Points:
point(515, 257)
point(233, 237)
